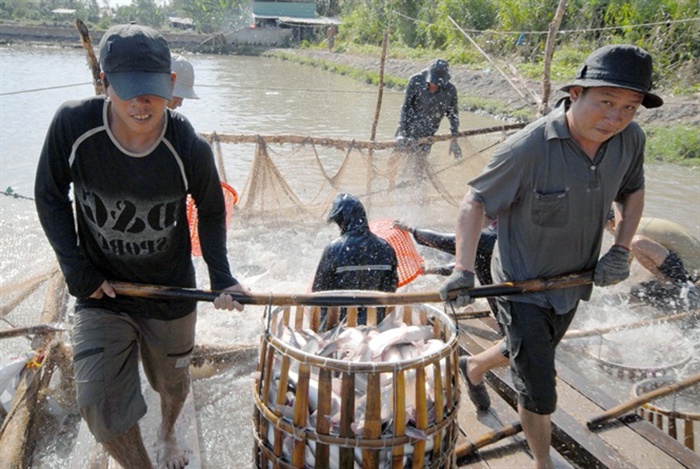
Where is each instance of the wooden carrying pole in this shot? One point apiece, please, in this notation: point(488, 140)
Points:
point(351, 298)
point(640, 400)
point(466, 449)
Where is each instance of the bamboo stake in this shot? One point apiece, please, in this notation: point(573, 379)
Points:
point(93, 63)
point(522, 95)
point(548, 53)
point(37, 329)
point(640, 400)
point(25, 283)
point(342, 143)
point(375, 121)
point(466, 449)
point(380, 91)
point(576, 334)
point(14, 434)
point(23, 295)
point(352, 297)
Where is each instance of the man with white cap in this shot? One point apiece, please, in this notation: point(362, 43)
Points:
point(131, 163)
point(184, 81)
point(550, 186)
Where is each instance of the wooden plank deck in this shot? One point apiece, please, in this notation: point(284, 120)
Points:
point(88, 454)
point(505, 454)
point(632, 444)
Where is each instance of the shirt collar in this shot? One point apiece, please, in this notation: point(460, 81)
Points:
point(556, 126)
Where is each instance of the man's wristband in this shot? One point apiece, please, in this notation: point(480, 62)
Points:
point(621, 246)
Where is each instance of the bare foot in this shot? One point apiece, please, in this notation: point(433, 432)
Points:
point(170, 455)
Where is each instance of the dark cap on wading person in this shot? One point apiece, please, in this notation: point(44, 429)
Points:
point(136, 61)
point(438, 73)
point(619, 66)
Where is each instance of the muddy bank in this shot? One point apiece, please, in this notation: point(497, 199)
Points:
point(491, 85)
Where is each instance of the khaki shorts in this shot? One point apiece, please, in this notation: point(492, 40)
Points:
point(106, 348)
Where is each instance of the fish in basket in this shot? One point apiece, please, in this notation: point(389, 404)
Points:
point(374, 395)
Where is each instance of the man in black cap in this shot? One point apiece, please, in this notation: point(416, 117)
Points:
point(428, 98)
point(358, 259)
point(550, 187)
point(131, 163)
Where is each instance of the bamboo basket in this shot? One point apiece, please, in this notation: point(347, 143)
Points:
point(293, 440)
point(669, 420)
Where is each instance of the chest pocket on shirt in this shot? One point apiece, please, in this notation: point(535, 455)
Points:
point(551, 210)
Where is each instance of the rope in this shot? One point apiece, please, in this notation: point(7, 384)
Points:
point(561, 31)
point(48, 88)
point(277, 88)
point(11, 193)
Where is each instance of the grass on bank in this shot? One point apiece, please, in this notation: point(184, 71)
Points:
point(678, 144)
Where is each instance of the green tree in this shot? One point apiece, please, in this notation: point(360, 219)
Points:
point(365, 22)
point(214, 16)
point(141, 11)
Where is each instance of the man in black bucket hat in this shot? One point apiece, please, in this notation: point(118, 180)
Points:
point(550, 187)
point(428, 98)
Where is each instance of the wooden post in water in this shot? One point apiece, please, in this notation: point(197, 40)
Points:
point(548, 53)
point(93, 63)
point(375, 122)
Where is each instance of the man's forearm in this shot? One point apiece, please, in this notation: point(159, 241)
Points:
point(632, 209)
point(469, 223)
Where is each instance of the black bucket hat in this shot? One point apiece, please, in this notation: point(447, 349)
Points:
point(438, 73)
point(619, 66)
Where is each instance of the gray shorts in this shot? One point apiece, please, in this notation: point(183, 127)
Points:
point(532, 335)
point(106, 348)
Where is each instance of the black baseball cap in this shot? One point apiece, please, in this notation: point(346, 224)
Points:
point(619, 66)
point(136, 60)
point(438, 72)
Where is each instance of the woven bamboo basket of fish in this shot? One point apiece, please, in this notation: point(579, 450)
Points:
point(319, 409)
point(673, 413)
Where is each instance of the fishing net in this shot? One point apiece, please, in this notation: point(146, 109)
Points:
point(294, 176)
